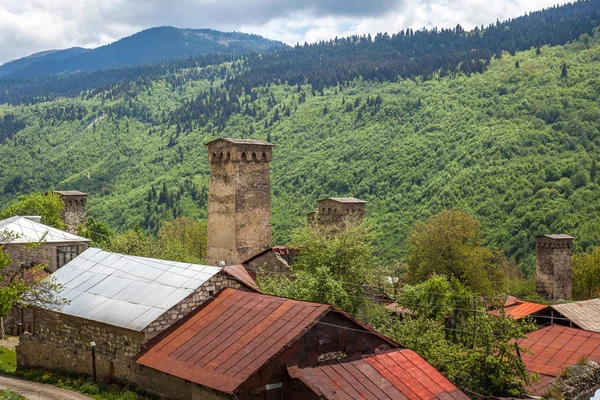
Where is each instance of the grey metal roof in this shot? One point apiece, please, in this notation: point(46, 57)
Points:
point(126, 291)
point(29, 231)
point(585, 314)
point(344, 199)
point(241, 141)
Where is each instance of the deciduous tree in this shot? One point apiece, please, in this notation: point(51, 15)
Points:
point(450, 244)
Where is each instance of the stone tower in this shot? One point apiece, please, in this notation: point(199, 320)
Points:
point(333, 211)
point(553, 266)
point(75, 211)
point(239, 200)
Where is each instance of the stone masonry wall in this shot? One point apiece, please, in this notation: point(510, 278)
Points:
point(553, 267)
point(74, 213)
point(44, 254)
point(62, 342)
point(77, 333)
point(32, 352)
point(184, 307)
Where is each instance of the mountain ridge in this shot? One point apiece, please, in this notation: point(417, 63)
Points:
point(145, 47)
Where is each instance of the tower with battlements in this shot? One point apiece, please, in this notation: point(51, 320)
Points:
point(239, 200)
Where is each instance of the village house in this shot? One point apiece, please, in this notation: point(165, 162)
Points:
point(118, 302)
point(29, 242)
point(247, 345)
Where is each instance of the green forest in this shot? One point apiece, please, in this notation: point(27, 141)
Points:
point(513, 140)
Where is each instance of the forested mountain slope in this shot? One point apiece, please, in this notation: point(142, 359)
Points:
point(148, 46)
point(515, 145)
point(44, 56)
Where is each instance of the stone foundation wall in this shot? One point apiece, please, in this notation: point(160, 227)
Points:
point(31, 352)
point(77, 333)
point(190, 303)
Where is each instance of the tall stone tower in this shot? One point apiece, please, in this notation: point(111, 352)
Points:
point(553, 266)
point(334, 210)
point(75, 211)
point(239, 200)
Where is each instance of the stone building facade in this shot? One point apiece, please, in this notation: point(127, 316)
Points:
point(334, 211)
point(553, 266)
point(239, 200)
point(51, 255)
point(75, 212)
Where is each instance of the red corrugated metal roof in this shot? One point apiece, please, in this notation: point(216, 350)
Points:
point(397, 374)
point(585, 314)
point(555, 348)
point(519, 309)
point(230, 337)
point(240, 273)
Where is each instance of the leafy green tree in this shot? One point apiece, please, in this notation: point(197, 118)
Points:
point(332, 267)
point(48, 206)
point(99, 232)
point(450, 244)
point(451, 329)
point(183, 239)
point(134, 243)
point(586, 275)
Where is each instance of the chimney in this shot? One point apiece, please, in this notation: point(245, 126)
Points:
point(34, 218)
point(239, 200)
point(75, 212)
point(553, 266)
point(333, 211)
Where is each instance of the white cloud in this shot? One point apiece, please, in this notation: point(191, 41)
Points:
point(28, 26)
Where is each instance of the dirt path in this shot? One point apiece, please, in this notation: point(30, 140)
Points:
point(10, 342)
point(38, 391)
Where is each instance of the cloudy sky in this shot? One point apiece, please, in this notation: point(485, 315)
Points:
point(29, 26)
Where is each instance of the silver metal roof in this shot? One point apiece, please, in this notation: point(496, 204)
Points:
point(28, 231)
point(126, 291)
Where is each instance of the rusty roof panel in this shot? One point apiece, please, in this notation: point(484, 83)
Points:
point(397, 374)
point(555, 348)
point(231, 337)
point(240, 273)
point(585, 314)
point(519, 309)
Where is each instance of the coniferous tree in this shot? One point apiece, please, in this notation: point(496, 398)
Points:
point(563, 72)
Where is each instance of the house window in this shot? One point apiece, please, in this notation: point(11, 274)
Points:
point(66, 254)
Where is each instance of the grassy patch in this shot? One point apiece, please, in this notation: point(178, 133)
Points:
point(8, 360)
point(79, 384)
point(10, 395)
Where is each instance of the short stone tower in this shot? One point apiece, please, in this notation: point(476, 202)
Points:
point(75, 212)
point(333, 210)
point(553, 266)
point(239, 200)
